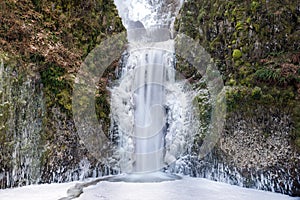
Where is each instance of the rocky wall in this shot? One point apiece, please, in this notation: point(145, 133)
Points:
point(255, 45)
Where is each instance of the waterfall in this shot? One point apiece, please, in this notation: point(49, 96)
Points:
point(149, 108)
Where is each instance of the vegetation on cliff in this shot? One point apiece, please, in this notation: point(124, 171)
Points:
point(46, 42)
point(255, 45)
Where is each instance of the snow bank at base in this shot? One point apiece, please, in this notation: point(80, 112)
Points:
point(37, 192)
point(184, 189)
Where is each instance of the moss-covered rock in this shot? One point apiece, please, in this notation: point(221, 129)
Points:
point(242, 34)
point(49, 41)
point(255, 45)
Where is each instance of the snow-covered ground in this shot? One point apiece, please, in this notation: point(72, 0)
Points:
point(37, 192)
point(184, 189)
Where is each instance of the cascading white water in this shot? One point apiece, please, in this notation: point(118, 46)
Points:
point(150, 109)
point(149, 98)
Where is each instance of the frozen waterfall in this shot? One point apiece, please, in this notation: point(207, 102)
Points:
point(149, 108)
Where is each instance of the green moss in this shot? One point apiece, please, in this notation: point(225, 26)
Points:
point(64, 99)
point(266, 74)
point(256, 93)
point(52, 78)
point(248, 21)
point(237, 54)
point(238, 63)
point(232, 82)
point(267, 98)
point(254, 6)
point(204, 107)
point(239, 26)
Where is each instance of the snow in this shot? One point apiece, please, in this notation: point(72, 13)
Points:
point(37, 192)
point(183, 189)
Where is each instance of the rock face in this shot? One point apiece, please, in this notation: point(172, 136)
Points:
point(257, 143)
point(42, 46)
point(254, 43)
point(255, 46)
point(254, 151)
point(261, 140)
